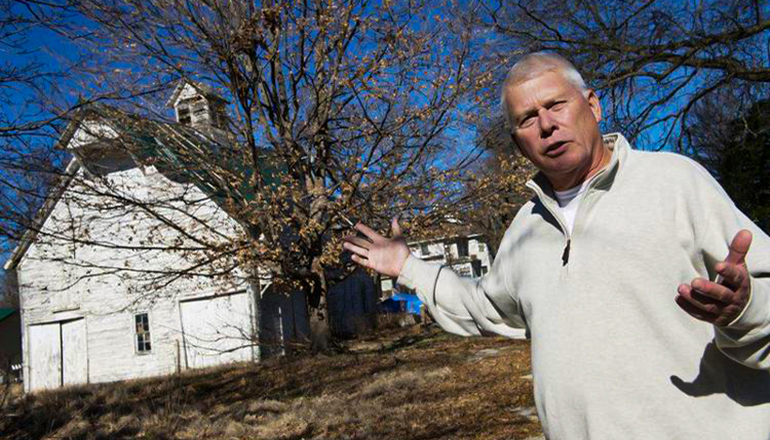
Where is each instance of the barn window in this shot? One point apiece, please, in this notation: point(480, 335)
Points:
point(142, 333)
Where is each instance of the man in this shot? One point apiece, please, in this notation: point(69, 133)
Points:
point(593, 266)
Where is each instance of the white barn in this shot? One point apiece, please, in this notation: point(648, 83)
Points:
point(118, 279)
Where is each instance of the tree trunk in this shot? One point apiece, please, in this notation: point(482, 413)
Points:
point(320, 332)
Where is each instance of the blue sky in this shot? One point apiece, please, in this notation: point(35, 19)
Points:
point(55, 51)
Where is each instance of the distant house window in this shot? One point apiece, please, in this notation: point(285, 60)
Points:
point(482, 247)
point(476, 267)
point(462, 247)
point(142, 333)
point(424, 249)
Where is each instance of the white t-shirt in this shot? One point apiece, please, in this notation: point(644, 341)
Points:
point(569, 200)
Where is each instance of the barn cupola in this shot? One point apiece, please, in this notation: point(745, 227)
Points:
point(198, 106)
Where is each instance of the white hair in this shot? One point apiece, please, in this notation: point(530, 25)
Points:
point(535, 64)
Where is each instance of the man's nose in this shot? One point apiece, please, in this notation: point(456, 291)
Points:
point(547, 123)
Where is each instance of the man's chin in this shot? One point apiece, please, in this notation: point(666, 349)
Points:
point(564, 178)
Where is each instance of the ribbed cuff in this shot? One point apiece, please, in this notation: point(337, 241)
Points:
point(419, 276)
point(757, 310)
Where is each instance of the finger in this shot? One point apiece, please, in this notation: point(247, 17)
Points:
point(694, 311)
point(358, 241)
point(732, 275)
point(395, 227)
point(739, 247)
point(711, 290)
point(703, 303)
point(358, 250)
point(369, 232)
point(361, 261)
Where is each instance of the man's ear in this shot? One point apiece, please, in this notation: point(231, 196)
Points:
point(596, 106)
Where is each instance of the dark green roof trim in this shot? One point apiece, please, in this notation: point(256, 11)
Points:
point(4, 313)
point(215, 168)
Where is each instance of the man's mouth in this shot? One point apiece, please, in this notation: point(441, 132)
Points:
point(556, 148)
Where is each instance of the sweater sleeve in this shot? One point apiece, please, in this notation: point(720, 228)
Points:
point(747, 339)
point(464, 306)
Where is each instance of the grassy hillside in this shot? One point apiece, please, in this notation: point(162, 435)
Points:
point(411, 384)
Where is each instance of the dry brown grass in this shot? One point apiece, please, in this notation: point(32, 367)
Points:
point(9, 392)
point(414, 384)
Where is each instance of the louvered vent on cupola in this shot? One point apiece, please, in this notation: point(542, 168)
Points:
point(198, 106)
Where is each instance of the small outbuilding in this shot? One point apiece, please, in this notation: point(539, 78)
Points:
point(10, 345)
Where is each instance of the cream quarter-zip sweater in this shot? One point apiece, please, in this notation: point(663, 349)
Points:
point(613, 356)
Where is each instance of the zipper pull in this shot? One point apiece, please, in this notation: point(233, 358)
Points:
point(565, 255)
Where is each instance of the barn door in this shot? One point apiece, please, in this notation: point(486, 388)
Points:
point(44, 356)
point(75, 359)
point(57, 354)
point(217, 330)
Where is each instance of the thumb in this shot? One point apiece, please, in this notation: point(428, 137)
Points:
point(739, 247)
point(395, 227)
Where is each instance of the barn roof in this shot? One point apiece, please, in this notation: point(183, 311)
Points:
point(180, 152)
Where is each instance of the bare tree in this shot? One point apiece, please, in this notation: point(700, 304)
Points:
point(496, 190)
point(340, 110)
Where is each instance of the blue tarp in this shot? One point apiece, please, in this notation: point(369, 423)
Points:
point(401, 302)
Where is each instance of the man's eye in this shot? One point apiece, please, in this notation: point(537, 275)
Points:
point(526, 122)
point(558, 105)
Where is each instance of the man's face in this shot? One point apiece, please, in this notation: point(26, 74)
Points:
point(557, 128)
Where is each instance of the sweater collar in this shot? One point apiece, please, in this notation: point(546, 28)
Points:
point(619, 147)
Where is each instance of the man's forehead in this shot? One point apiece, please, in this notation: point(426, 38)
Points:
point(536, 90)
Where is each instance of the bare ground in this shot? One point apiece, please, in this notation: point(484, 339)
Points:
point(411, 384)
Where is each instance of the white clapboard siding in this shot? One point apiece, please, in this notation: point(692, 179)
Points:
point(107, 284)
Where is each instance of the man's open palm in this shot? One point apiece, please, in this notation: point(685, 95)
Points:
point(384, 255)
point(722, 301)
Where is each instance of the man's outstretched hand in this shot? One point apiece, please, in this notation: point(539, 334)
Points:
point(720, 302)
point(384, 255)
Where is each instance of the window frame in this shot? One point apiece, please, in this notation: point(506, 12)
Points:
point(145, 334)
